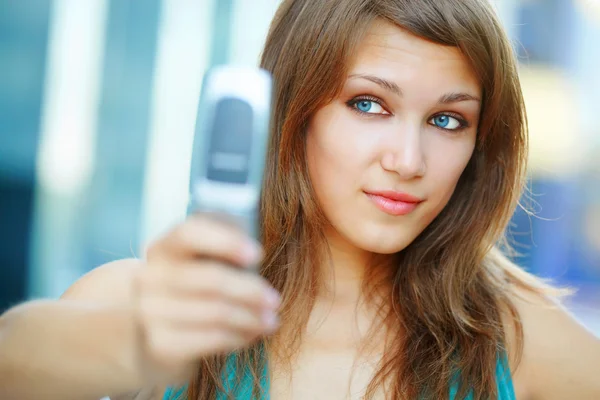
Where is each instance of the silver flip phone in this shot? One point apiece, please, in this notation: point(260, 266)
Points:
point(230, 140)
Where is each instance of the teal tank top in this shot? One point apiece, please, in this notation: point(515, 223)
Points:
point(503, 379)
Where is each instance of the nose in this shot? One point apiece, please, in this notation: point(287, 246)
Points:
point(403, 152)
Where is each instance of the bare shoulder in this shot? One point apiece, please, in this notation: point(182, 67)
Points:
point(560, 356)
point(108, 283)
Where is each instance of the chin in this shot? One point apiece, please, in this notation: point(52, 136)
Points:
point(372, 236)
point(385, 248)
point(381, 242)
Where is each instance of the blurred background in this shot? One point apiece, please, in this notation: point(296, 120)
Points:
point(97, 106)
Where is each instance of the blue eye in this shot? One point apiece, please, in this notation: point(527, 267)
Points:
point(364, 105)
point(367, 106)
point(447, 122)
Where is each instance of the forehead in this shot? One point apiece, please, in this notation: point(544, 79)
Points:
point(398, 54)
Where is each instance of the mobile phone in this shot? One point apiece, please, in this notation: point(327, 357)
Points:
point(230, 141)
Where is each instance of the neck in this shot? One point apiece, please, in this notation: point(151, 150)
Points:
point(344, 269)
point(340, 317)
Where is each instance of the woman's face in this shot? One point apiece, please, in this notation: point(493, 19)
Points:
point(386, 155)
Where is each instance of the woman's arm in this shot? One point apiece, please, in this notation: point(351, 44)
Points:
point(193, 298)
point(79, 347)
point(561, 358)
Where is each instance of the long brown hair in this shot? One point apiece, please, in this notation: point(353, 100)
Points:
point(449, 288)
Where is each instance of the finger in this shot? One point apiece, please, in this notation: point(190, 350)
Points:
point(205, 236)
point(169, 344)
point(207, 314)
point(213, 279)
point(223, 341)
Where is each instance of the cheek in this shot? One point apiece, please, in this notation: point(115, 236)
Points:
point(336, 156)
point(445, 168)
point(328, 173)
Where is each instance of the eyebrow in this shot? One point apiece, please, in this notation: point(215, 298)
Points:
point(457, 97)
point(447, 98)
point(387, 85)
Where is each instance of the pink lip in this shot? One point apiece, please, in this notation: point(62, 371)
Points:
point(394, 203)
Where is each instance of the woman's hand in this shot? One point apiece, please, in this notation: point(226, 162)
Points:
point(196, 297)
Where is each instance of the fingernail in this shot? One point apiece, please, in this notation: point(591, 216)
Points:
point(251, 253)
point(270, 319)
point(273, 298)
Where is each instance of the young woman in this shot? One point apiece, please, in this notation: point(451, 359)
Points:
point(397, 157)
